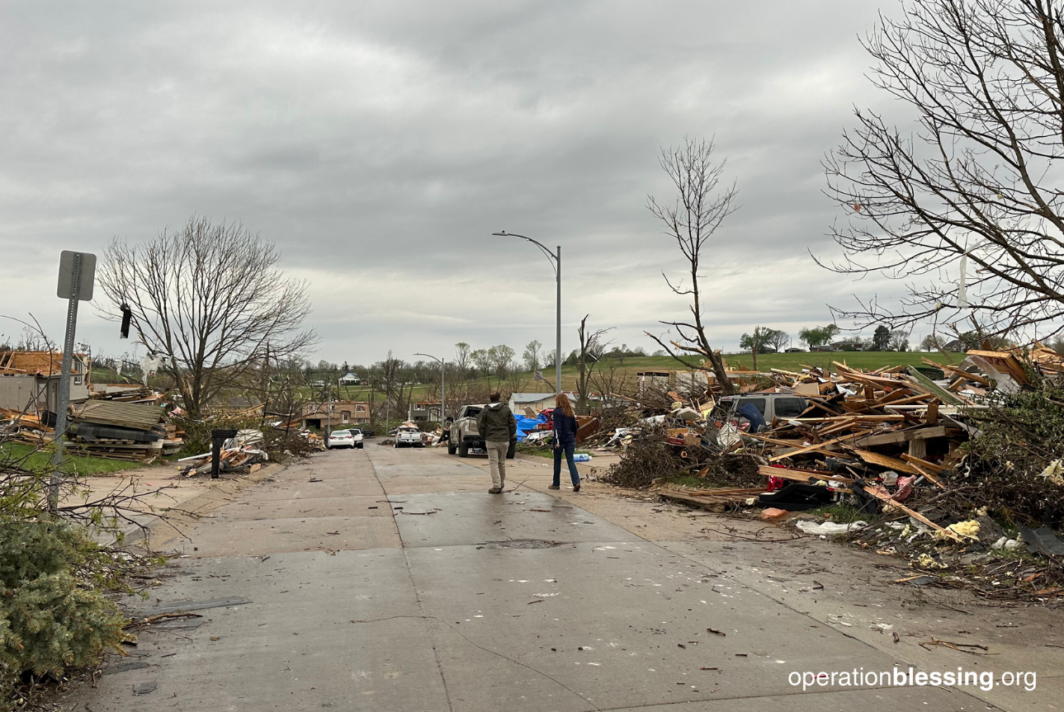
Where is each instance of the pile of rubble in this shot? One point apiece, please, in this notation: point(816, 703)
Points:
point(893, 447)
point(121, 431)
point(242, 454)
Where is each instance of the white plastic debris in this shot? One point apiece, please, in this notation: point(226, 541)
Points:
point(829, 527)
point(1007, 544)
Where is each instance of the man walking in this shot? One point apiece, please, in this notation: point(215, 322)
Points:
point(497, 426)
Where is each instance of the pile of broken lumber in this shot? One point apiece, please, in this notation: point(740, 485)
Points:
point(893, 425)
point(121, 431)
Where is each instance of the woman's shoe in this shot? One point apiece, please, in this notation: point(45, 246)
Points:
point(554, 487)
point(576, 488)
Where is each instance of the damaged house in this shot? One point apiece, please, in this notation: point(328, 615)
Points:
point(29, 380)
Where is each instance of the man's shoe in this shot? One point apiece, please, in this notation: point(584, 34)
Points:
point(554, 487)
point(495, 490)
point(576, 488)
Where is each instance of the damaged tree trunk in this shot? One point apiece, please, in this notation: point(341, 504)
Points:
point(591, 348)
point(697, 213)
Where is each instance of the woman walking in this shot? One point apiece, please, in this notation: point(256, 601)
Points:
point(564, 441)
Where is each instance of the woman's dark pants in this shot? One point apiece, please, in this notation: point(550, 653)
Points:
point(573, 474)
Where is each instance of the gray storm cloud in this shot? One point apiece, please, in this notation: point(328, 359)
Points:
point(379, 144)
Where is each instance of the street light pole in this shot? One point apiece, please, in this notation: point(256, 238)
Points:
point(443, 386)
point(556, 262)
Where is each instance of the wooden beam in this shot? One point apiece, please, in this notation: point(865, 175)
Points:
point(915, 515)
point(916, 461)
point(818, 446)
point(798, 475)
point(927, 475)
point(893, 463)
point(931, 416)
point(903, 436)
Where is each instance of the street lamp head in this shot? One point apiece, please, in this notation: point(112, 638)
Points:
point(501, 234)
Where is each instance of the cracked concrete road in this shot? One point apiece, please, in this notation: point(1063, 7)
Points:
point(390, 579)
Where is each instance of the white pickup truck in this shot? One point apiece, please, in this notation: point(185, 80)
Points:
point(408, 436)
point(463, 433)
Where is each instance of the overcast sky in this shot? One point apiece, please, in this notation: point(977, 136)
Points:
point(379, 144)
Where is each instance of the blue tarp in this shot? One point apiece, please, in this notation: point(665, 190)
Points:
point(527, 425)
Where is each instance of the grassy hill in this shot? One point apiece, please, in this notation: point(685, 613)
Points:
point(627, 368)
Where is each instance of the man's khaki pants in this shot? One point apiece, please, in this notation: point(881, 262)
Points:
point(497, 459)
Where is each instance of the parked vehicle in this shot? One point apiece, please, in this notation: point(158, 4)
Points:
point(359, 437)
point(772, 406)
point(317, 384)
point(407, 435)
point(463, 433)
point(340, 438)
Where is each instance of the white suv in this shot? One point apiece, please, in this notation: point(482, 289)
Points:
point(356, 434)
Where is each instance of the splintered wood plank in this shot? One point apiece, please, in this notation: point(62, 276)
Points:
point(799, 475)
point(915, 515)
point(892, 463)
point(923, 464)
point(818, 446)
point(904, 436)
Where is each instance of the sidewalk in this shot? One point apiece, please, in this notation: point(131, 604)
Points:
point(177, 500)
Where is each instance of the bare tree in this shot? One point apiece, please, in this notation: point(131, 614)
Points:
point(778, 339)
point(209, 299)
point(483, 361)
point(691, 220)
point(502, 361)
point(515, 381)
point(612, 379)
point(978, 183)
point(899, 341)
point(591, 349)
point(758, 342)
point(395, 380)
point(532, 354)
point(461, 356)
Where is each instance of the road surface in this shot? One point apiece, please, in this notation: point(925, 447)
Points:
point(385, 579)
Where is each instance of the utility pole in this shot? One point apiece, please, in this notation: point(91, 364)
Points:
point(556, 262)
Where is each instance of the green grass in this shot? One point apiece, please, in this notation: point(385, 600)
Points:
point(856, 359)
point(40, 461)
point(869, 360)
point(841, 513)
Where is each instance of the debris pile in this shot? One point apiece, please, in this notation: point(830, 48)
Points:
point(121, 431)
point(654, 453)
point(240, 454)
point(25, 427)
point(951, 466)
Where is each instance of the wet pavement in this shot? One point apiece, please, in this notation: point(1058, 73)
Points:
point(384, 579)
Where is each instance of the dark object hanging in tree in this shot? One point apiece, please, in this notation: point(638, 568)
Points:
point(127, 316)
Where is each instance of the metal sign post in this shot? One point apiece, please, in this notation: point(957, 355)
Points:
point(77, 275)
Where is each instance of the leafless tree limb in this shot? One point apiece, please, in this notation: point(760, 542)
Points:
point(977, 183)
point(210, 300)
point(700, 208)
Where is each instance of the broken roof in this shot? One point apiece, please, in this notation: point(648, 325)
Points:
point(44, 363)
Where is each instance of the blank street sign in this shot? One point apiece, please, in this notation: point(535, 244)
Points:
point(66, 271)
